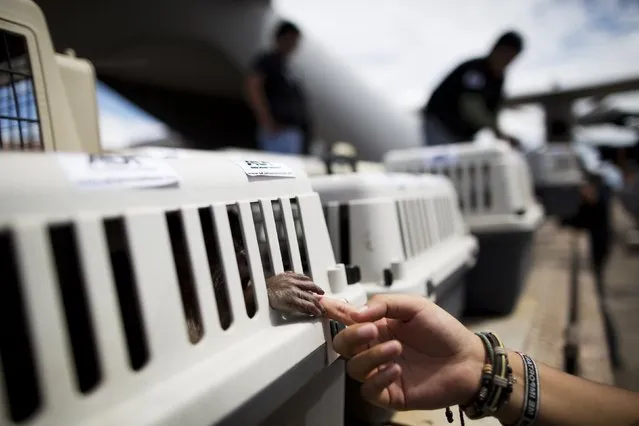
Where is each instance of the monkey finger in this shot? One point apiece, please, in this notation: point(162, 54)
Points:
point(315, 299)
point(308, 286)
point(309, 297)
point(303, 306)
point(364, 363)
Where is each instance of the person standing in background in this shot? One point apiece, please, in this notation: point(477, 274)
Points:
point(275, 96)
point(469, 98)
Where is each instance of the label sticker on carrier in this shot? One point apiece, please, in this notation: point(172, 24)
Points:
point(96, 171)
point(265, 168)
point(443, 158)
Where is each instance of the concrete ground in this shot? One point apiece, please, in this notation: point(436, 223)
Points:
point(622, 287)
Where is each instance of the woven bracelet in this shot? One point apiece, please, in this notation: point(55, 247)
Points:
point(502, 375)
point(496, 380)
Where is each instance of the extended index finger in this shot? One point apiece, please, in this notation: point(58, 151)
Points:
point(338, 310)
point(396, 306)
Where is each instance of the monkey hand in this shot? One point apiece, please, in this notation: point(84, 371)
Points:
point(290, 293)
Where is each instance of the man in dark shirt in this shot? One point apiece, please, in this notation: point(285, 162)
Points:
point(276, 98)
point(469, 98)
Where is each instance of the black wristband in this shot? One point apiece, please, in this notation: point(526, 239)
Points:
point(530, 409)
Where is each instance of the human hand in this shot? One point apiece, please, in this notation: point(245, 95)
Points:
point(290, 293)
point(408, 352)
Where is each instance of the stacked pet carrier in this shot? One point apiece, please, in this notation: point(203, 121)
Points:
point(557, 178)
point(404, 232)
point(496, 199)
point(121, 300)
point(406, 235)
point(47, 100)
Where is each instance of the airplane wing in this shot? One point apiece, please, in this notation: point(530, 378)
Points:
point(596, 90)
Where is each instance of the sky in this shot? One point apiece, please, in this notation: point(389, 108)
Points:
point(402, 48)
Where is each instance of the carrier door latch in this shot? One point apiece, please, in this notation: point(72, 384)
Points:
point(353, 274)
point(342, 276)
point(388, 277)
point(335, 327)
point(397, 271)
point(430, 288)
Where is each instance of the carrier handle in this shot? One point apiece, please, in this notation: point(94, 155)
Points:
point(332, 159)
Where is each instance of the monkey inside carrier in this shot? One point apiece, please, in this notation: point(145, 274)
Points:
point(405, 233)
point(496, 199)
point(557, 178)
point(137, 291)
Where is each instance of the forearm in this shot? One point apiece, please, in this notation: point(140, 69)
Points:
point(473, 109)
point(567, 400)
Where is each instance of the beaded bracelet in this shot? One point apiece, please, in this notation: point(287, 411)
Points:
point(487, 374)
point(496, 382)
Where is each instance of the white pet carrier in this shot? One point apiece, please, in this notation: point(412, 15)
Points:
point(404, 232)
point(557, 178)
point(48, 99)
point(108, 313)
point(496, 199)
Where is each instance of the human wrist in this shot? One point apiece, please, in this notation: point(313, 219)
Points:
point(496, 382)
point(475, 363)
